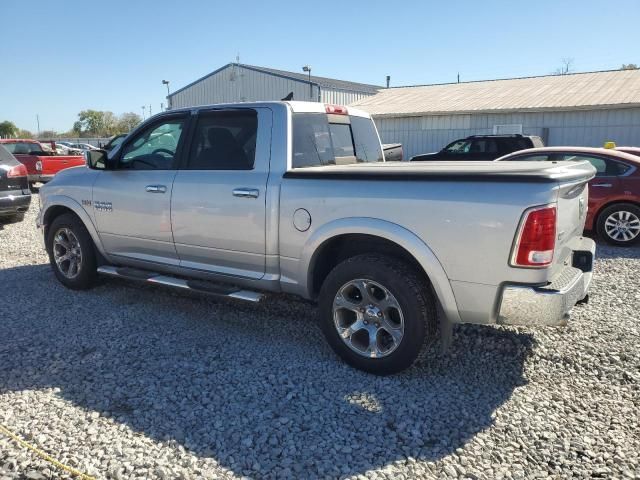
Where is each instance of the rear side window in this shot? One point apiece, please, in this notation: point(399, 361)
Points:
point(316, 142)
point(604, 167)
point(224, 140)
point(515, 144)
point(368, 148)
point(484, 145)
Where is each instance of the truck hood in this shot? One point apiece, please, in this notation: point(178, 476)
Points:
point(455, 171)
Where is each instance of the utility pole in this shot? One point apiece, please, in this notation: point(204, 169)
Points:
point(38, 121)
point(150, 110)
point(143, 108)
point(161, 107)
point(458, 77)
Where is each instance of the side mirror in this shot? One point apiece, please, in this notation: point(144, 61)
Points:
point(96, 159)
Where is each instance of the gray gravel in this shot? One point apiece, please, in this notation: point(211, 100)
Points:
point(130, 382)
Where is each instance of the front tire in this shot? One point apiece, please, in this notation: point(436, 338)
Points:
point(377, 313)
point(619, 224)
point(71, 252)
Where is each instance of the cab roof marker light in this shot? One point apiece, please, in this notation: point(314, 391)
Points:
point(336, 109)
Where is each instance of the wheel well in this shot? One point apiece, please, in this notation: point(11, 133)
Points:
point(51, 214)
point(341, 247)
point(596, 217)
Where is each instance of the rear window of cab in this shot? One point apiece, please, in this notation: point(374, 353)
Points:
point(323, 139)
point(23, 148)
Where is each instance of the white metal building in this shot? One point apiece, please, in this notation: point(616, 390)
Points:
point(237, 82)
point(584, 109)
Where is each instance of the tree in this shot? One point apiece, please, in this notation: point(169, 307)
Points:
point(95, 122)
point(629, 66)
point(127, 122)
point(24, 133)
point(47, 134)
point(566, 68)
point(8, 129)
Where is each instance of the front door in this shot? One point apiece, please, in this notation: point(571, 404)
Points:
point(132, 201)
point(218, 204)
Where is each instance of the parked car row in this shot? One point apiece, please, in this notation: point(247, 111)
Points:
point(41, 165)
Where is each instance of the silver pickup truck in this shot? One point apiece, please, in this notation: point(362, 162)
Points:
point(242, 199)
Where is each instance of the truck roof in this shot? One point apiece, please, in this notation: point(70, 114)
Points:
point(294, 106)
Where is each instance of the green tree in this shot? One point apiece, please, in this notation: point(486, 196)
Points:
point(8, 129)
point(46, 134)
point(24, 133)
point(95, 122)
point(629, 66)
point(127, 122)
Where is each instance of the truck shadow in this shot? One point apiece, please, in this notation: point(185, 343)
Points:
point(255, 388)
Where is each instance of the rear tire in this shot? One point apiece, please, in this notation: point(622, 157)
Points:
point(619, 224)
point(377, 313)
point(71, 252)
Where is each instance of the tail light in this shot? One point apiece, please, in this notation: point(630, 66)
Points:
point(17, 171)
point(39, 166)
point(336, 109)
point(536, 239)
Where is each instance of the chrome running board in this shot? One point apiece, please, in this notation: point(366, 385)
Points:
point(175, 282)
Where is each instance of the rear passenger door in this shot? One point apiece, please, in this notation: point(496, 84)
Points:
point(218, 203)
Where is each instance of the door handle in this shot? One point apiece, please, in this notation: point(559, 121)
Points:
point(246, 192)
point(156, 188)
point(603, 185)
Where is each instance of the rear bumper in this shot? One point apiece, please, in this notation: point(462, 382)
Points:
point(12, 204)
point(549, 304)
point(40, 178)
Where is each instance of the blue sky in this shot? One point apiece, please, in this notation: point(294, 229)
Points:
point(65, 56)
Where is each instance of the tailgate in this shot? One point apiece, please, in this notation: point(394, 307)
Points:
point(28, 161)
point(571, 214)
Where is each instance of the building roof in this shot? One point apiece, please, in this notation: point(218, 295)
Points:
point(619, 88)
point(323, 82)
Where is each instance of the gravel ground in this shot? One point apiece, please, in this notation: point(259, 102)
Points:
point(136, 382)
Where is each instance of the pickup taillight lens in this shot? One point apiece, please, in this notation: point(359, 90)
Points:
point(536, 239)
point(39, 166)
point(17, 171)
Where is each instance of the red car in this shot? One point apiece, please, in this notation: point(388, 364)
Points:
point(41, 165)
point(614, 193)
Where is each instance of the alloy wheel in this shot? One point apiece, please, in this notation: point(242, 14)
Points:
point(368, 318)
point(67, 252)
point(622, 226)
